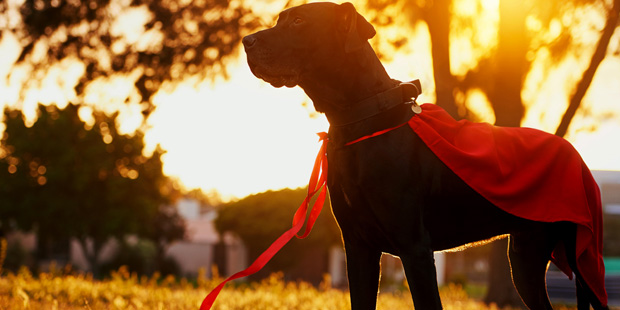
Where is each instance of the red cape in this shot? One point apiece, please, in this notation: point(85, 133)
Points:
point(525, 172)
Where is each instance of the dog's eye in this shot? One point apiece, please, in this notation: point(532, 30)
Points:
point(297, 21)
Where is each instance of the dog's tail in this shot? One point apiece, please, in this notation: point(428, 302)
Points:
point(585, 294)
point(586, 297)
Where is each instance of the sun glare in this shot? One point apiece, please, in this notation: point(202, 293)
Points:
point(477, 103)
point(238, 138)
point(242, 136)
point(600, 150)
point(473, 33)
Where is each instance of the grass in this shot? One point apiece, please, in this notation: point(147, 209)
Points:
point(62, 289)
point(124, 290)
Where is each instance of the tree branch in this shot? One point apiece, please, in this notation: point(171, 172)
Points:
point(588, 75)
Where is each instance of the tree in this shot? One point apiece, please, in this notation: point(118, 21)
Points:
point(63, 178)
point(260, 219)
point(599, 54)
point(501, 72)
point(436, 15)
point(151, 41)
point(505, 98)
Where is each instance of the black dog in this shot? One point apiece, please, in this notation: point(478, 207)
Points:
point(392, 194)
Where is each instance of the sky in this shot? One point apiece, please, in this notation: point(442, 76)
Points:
point(256, 137)
point(238, 137)
point(242, 136)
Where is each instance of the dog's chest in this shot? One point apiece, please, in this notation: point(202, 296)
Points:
point(372, 194)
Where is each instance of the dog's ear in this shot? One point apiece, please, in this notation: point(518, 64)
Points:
point(355, 27)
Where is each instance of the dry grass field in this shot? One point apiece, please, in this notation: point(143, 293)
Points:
point(123, 290)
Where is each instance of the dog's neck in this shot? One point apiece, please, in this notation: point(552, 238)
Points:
point(336, 89)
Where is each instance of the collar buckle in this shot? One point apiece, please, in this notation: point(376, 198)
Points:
point(404, 93)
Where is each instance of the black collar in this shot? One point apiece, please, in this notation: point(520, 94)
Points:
point(404, 93)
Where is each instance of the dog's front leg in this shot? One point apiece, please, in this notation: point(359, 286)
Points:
point(419, 265)
point(363, 269)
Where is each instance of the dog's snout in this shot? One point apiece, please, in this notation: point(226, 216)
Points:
point(249, 41)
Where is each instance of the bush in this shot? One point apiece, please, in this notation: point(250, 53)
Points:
point(16, 256)
point(139, 258)
point(169, 266)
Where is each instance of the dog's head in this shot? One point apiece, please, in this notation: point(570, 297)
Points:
point(303, 37)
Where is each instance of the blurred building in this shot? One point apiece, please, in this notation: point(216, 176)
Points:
point(609, 183)
point(203, 247)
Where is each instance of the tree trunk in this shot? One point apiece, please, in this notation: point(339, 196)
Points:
point(3, 248)
point(42, 251)
point(437, 17)
point(588, 75)
point(92, 255)
point(220, 258)
point(501, 291)
point(505, 98)
point(511, 65)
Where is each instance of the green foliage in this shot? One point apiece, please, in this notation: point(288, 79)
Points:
point(66, 179)
point(259, 219)
point(138, 257)
point(15, 257)
point(164, 41)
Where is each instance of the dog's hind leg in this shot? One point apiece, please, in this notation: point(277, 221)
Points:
point(363, 270)
point(529, 255)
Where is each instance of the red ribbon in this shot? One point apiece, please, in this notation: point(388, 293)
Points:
point(318, 178)
point(378, 133)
